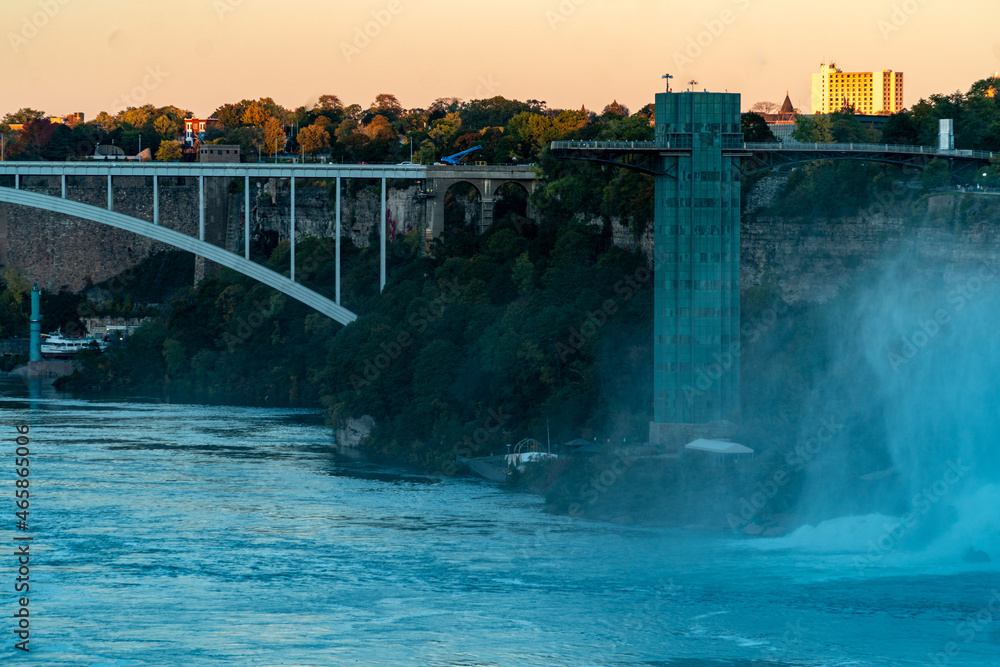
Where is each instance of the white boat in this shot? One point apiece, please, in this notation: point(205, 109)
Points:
point(58, 346)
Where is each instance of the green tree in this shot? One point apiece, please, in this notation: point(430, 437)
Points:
point(936, 175)
point(138, 117)
point(165, 127)
point(169, 151)
point(23, 116)
point(755, 129)
point(816, 130)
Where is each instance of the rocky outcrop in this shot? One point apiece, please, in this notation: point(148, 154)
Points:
point(353, 431)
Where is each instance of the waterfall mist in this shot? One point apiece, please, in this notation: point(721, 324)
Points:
point(914, 387)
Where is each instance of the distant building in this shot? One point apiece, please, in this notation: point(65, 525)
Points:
point(869, 93)
point(72, 119)
point(195, 128)
point(110, 152)
point(218, 153)
point(782, 122)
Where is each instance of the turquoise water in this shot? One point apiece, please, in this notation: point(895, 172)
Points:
point(203, 535)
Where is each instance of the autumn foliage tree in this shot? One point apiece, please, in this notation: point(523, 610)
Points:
point(313, 139)
point(274, 136)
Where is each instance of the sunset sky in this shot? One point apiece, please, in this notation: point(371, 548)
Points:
point(62, 56)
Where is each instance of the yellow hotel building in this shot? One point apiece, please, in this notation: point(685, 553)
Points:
point(870, 93)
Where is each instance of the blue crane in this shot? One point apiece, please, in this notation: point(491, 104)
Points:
point(457, 157)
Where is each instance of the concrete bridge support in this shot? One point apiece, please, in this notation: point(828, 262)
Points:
point(486, 180)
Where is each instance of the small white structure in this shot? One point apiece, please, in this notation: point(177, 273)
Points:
point(946, 134)
point(724, 450)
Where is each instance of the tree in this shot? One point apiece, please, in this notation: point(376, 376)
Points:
point(755, 129)
point(165, 127)
point(329, 103)
point(441, 107)
point(814, 130)
point(426, 154)
point(492, 112)
point(936, 175)
point(250, 139)
point(648, 111)
point(444, 130)
point(23, 116)
point(615, 109)
point(901, 129)
point(314, 138)
point(764, 107)
point(231, 115)
point(106, 121)
point(386, 105)
point(379, 129)
point(169, 151)
point(353, 111)
point(256, 115)
point(274, 136)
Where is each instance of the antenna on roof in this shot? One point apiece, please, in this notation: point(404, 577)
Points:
point(668, 77)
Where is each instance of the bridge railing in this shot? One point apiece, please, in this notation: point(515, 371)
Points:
point(867, 148)
point(607, 145)
point(778, 147)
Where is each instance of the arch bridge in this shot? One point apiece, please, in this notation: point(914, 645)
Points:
point(153, 172)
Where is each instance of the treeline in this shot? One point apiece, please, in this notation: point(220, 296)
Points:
point(481, 340)
point(509, 131)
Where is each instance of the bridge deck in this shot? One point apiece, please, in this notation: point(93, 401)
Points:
point(232, 170)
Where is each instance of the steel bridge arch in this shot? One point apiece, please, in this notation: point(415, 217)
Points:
point(184, 242)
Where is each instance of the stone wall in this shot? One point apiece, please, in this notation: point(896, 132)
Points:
point(61, 252)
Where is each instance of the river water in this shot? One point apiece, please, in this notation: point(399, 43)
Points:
point(170, 534)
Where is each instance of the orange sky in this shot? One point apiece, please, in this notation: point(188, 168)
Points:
point(92, 55)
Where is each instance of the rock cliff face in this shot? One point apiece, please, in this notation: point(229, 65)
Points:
point(63, 252)
point(809, 260)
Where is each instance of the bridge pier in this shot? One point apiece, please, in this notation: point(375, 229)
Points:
point(486, 217)
point(246, 217)
point(337, 242)
point(381, 279)
point(486, 180)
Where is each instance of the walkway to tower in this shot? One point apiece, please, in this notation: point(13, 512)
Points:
point(697, 160)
